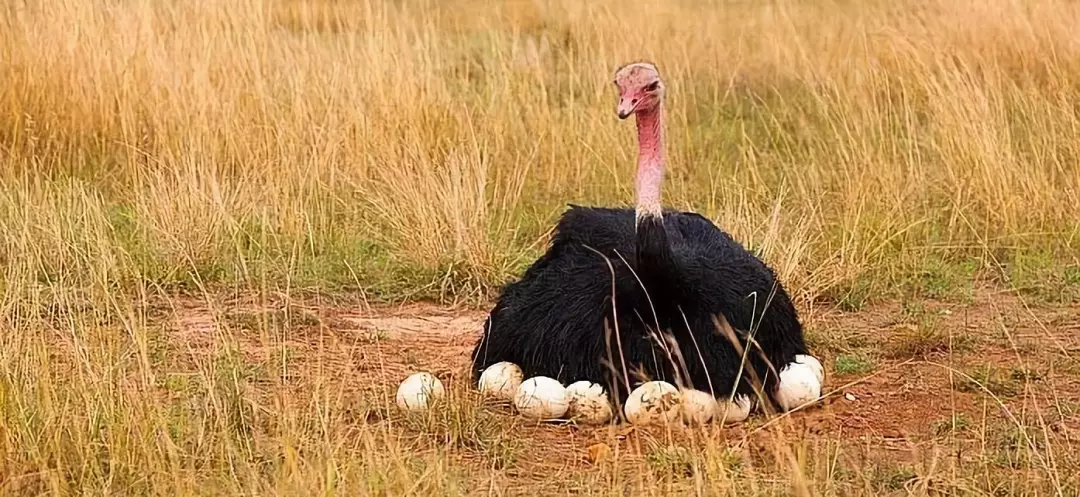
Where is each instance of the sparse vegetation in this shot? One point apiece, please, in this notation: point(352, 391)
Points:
point(853, 364)
point(921, 334)
point(991, 379)
point(956, 423)
point(192, 194)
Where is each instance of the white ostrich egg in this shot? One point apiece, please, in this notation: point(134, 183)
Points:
point(697, 407)
point(814, 364)
point(501, 380)
point(589, 402)
point(654, 402)
point(418, 391)
point(541, 397)
point(798, 385)
point(734, 411)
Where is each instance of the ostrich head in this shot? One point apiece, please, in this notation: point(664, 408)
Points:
point(640, 89)
point(640, 93)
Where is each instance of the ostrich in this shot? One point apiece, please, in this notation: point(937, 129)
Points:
point(613, 280)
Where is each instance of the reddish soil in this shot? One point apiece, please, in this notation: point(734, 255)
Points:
point(900, 408)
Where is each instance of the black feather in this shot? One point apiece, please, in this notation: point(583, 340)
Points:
point(552, 321)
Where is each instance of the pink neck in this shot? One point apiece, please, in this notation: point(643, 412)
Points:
point(650, 173)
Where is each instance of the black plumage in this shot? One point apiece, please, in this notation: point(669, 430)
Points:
point(551, 322)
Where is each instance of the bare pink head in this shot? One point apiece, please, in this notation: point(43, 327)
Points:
point(641, 92)
point(640, 89)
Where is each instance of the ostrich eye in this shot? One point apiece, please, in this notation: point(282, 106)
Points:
point(653, 86)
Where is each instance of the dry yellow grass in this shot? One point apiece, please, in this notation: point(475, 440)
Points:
point(429, 146)
point(423, 148)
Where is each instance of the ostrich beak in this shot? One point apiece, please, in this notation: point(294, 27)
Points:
point(625, 108)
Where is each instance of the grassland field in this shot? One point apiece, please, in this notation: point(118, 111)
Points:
point(228, 229)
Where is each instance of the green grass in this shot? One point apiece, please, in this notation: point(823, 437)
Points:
point(853, 364)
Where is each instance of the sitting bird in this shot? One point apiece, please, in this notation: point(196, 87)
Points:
point(645, 289)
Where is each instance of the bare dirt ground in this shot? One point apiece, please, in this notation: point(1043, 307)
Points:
point(907, 384)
